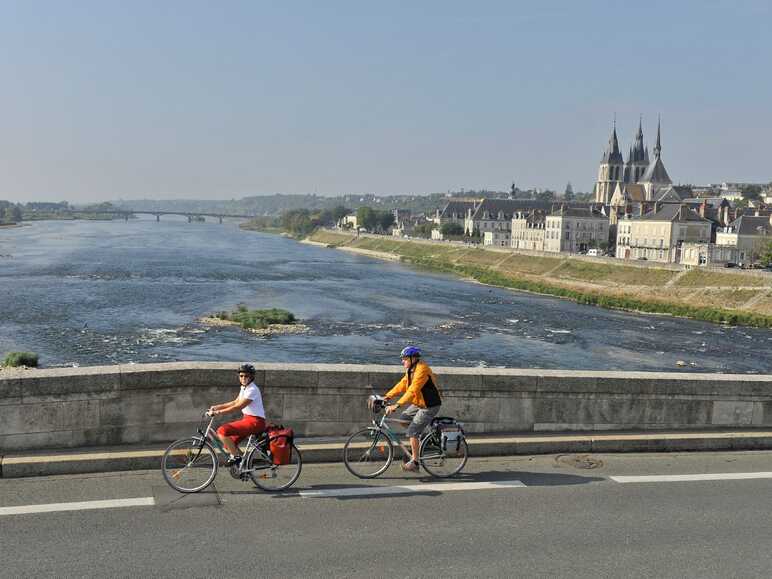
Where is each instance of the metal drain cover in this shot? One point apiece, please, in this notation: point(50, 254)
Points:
point(582, 461)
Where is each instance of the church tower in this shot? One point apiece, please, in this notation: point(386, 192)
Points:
point(655, 177)
point(638, 160)
point(611, 170)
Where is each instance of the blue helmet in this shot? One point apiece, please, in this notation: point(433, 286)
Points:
point(410, 351)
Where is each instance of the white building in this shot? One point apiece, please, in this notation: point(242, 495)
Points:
point(658, 236)
point(750, 234)
point(528, 230)
point(575, 230)
point(497, 238)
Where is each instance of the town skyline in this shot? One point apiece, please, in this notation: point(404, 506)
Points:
point(189, 101)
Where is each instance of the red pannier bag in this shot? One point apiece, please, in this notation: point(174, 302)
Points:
point(280, 443)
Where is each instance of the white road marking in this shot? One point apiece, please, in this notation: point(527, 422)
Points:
point(691, 477)
point(78, 506)
point(408, 489)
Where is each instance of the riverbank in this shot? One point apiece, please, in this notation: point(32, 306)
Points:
point(707, 295)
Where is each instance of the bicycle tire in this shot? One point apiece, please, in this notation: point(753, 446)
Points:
point(189, 465)
point(439, 463)
point(274, 477)
point(369, 446)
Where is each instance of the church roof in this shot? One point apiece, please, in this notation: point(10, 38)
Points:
point(628, 192)
point(656, 173)
point(665, 194)
point(638, 151)
point(673, 212)
point(612, 154)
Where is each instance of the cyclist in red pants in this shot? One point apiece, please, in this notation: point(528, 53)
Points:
point(250, 402)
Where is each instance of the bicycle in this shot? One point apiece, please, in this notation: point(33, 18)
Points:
point(443, 451)
point(190, 465)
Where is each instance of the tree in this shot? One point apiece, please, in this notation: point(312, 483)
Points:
point(11, 214)
point(450, 229)
point(385, 219)
point(546, 195)
point(424, 230)
point(367, 218)
point(765, 257)
point(298, 222)
point(339, 212)
point(751, 192)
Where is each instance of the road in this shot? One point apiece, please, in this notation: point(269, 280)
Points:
point(544, 516)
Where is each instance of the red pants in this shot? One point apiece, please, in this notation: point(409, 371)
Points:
point(238, 430)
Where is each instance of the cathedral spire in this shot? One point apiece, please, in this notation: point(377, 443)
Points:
point(612, 154)
point(658, 146)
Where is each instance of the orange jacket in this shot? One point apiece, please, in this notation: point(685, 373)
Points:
point(412, 387)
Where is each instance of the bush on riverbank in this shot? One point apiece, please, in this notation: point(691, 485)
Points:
point(257, 319)
point(16, 359)
point(517, 271)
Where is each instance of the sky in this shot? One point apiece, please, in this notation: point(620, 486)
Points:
point(104, 100)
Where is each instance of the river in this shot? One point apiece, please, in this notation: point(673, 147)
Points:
point(99, 292)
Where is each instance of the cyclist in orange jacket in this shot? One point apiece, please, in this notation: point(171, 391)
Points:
point(420, 393)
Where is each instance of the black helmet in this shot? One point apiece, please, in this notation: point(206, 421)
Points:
point(247, 369)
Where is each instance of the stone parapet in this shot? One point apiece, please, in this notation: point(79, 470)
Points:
point(156, 403)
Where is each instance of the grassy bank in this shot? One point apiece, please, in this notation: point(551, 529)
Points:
point(697, 294)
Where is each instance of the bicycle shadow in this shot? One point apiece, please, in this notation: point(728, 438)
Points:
point(405, 485)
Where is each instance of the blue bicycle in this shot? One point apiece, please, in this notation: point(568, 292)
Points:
point(369, 452)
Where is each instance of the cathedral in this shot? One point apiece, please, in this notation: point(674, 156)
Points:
point(638, 181)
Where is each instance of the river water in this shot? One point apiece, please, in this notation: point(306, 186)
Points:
point(89, 293)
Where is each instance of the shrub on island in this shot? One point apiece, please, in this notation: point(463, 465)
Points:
point(257, 319)
point(16, 359)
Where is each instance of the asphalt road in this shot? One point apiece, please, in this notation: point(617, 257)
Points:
point(568, 516)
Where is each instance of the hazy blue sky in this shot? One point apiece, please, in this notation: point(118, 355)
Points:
point(161, 99)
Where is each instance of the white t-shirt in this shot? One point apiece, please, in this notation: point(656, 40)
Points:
point(252, 392)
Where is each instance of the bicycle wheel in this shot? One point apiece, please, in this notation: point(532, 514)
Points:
point(441, 463)
point(368, 453)
point(274, 477)
point(189, 465)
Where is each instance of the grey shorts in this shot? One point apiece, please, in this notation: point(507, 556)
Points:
point(420, 418)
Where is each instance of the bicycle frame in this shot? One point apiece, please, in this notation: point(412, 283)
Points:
point(252, 445)
point(383, 426)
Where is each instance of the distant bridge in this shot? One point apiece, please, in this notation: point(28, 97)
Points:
point(126, 214)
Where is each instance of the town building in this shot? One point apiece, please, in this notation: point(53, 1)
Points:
point(574, 230)
point(497, 238)
point(658, 235)
point(750, 234)
point(705, 254)
point(528, 230)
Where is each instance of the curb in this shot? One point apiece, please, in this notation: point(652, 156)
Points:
point(314, 451)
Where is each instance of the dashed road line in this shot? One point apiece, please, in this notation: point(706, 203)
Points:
point(78, 506)
point(691, 477)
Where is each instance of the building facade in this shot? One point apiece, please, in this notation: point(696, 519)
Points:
point(659, 235)
point(749, 234)
point(575, 230)
point(528, 230)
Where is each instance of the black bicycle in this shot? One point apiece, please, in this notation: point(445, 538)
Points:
point(190, 465)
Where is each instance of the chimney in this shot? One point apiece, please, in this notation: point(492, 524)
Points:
point(703, 207)
point(681, 212)
point(656, 206)
point(725, 220)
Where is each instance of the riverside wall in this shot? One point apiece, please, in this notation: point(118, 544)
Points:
point(156, 403)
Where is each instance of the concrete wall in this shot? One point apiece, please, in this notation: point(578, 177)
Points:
point(160, 402)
